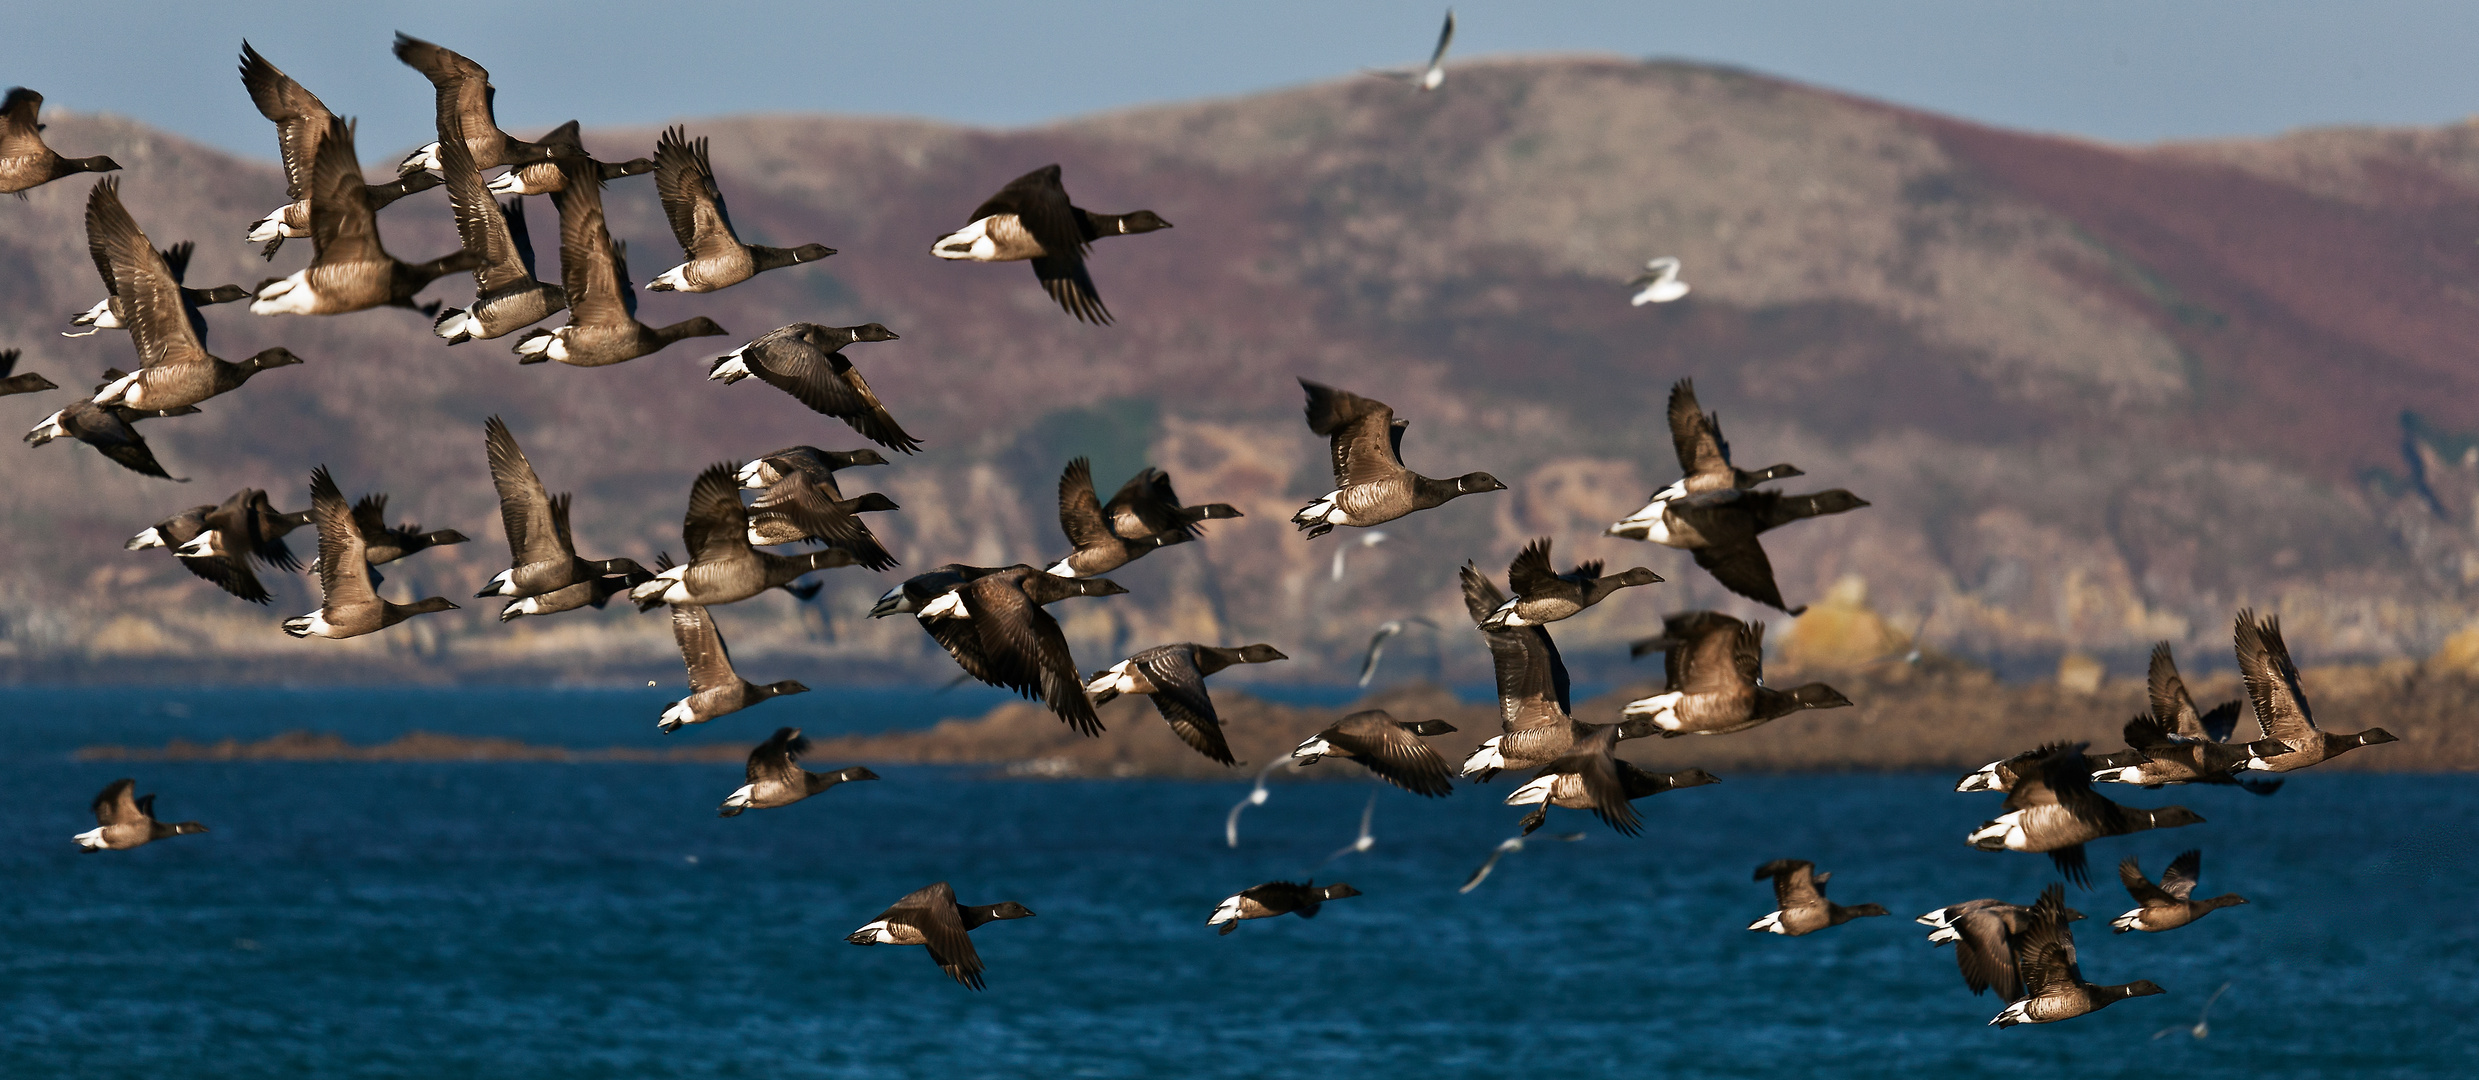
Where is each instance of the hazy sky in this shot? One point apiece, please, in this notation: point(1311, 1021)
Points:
point(2111, 69)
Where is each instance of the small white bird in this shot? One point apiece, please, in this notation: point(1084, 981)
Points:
point(1377, 643)
point(2202, 1029)
point(1510, 844)
point(1371, 538)
point(1256, 797)
point(1661, 285)
point(1431, 77)
point(1365, 841)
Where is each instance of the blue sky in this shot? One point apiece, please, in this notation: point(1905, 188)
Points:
point(2108, 69)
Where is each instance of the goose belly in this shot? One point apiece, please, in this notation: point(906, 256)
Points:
point(290, 295)
point(1232, 909)
point(997, 238)
point(1317, 747)
point(1485, 757)
point(1661, 709)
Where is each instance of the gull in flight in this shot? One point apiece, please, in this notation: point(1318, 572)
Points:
point(1371, 538)
point(1257, 797)
point(1428, 78)
point(1377, 644)
point(1510, 844)
point(1365, 841)
point(1660, 283)
point(2201, 1028)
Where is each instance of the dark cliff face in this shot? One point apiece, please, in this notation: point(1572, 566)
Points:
point(2098, 396)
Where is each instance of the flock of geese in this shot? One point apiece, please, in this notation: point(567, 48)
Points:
point(993, 620)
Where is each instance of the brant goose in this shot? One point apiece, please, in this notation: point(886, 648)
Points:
point(2052, 808)
point(2052, 983)
point(350, 270)
point(1506, 847)
point(593, 592)
point(717, 259)
point(806, 360)
point(545, 177)
point(602, 307)
point(1714, 679)
point(919, 590)
point(819, 465)
point(1389, 747)
point(932, 917)
point(1148, 506)
point(1031, 218)
point(383, 544)
point(113, 313)
point(1715, 512)
point(24, 161)
point(1276, 898)
point(506, 295)
point(1661, 285)
point(1543, 595)
point(465, 97)
point(1533, 708)
point(2292, 741)
point(1983, 932)
point(219, 542)
point(542, 553)
point(1703, 458)
point(1427, 78)
point(1799, 893)
point(722, 567)
point(1377, 642)
point(993, 624)
point(769, 525)
point(301, 120)
point(124, 821)
point(774, 778)
point(1591, 777)
point(227, 569)
point(1371, 484)
point(2170, 904)
point(176, 369)
point(714, 688)
point(2175, 744)
point(1174, 676)
point(111, 430)
point(1100, 548)
point(23, 382)
point(347, 605)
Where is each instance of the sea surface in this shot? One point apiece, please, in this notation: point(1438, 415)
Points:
point(599, 920)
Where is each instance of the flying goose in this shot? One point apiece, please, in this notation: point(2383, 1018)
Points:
point(602, 308)
point(1099, 549)
point(1703, 456)
point(545, 177)
point(23, 382)
point(176, 369)
point(1386, 746)
point(1982, 932)
point(1799, 896)
point(1590, 776)
point(542, 553)
point(1659, 284)
point(774, 777)
point(229, 571)
point(2170, 904)
point(722, 567)
point(301, 120)
point(593, 592)
point(806, 360)
point(770, 524)
point(113, 313)
point(1371, 486)
point(464, 94)
point(819, 465)
point(1276, 898)
point(684, 178)
point(111, 430)
point(1714, 679)
point(351, 270)
point(2292, 741)
point(124, 821)
point(714, 688)
point(1431, 77)
point(2052, 808)
point(2174, 744)
point(348, 607)
point(1543, 595)
point(1533, 709)
point(24, 161)
point(994, 626)
point(1031, 218)
point(2053, 986)
point(1147, 505)
point(921, 590)
point(932, 917)
point(1715, 511)
point(506, 296)
point(383, 543)
point(218, 543)
point(1174, 676)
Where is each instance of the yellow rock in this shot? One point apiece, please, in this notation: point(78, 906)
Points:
point(129, 635)
point(1841, 631)
point(2459, 655)
point(2080, 674)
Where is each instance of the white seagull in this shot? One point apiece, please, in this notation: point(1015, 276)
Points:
point(1428, 78)
point(1660, 284)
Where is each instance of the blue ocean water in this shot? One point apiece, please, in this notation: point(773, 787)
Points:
point(598, 920)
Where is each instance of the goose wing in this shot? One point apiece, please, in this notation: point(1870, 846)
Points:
point(1598, 771)
point(2272, 681)
point(1741, 567)
point(2171, 705)
point(1393, 753)
point(118, 804)
point(932, 911)
point(21, 136)
point(2130, 874)
point(798, 501)
point(1530, 673)
point(777, 759)
point(717, 525)
point(343, 573)
point(1794, 883)
point(829, 384)
point(1531, 576)
point(110, 432)
point(2179, 880)
point(479, 222)
point(300, 118)
point(2044, 948)
point(1023, 649)
point(590, 266)
point(1179, 695)
point(1984, 954)
point(701, 648)
point(230, 573)
point(1718, 656)
point(1080, 512)
point(1696, 435)
point(1039, 202)
point(684, 178)
point(149, 293)
point(1362, 432)
point(524, 507)
point(344, 227)
point(463, 88)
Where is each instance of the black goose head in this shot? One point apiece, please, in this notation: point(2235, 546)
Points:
point(849, 459)
point(97, 163)
point(426, 605)
point(1817, 695)
point(1428, 727)
point(811, 252)
point(1692, 778)
point(1142, 221)
point(1474, 483)
point(698, 326)
point(2170, 817)
point(873, 502)
point(1010, 910)
point(1337, 891)
point(1260, 654)
point(2372, 736)
point(184, 828)
point(273, 358)
point(778, 689)
point(2138, 988)
point(1636, 575)
point(1858, 911)
point(873, 332)
point(2222, 901)
point(223, 294)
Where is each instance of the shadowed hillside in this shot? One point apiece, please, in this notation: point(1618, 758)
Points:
point(2098, 396)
